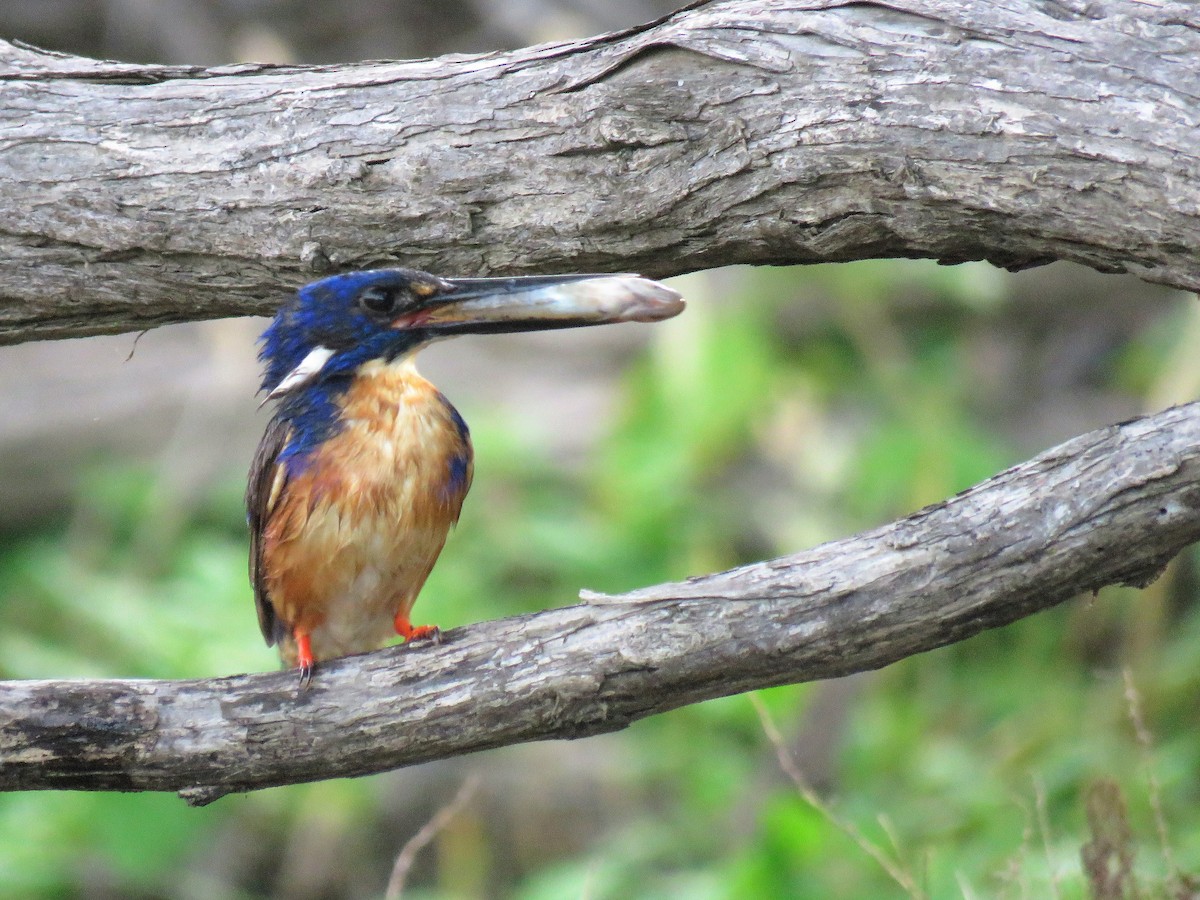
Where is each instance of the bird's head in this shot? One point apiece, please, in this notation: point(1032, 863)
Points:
point(333, 326)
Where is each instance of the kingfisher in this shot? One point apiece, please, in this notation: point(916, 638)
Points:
point(364, 465)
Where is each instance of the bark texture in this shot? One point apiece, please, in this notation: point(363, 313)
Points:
point(1019, 131)
point(1111, 506)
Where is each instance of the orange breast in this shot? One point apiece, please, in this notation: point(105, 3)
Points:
point(355, 534)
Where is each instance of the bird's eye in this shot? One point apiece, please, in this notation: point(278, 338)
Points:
point(381, 300)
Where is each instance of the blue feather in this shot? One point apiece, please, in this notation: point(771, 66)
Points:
point(326, 314)
point(315, 416)
point(459, 423)
point(456, 481)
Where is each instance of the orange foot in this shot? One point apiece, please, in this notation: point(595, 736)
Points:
point(304, 658)
point(411, 632)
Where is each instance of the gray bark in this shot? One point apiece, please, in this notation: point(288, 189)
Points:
point(796, 131)
point(1111, 506)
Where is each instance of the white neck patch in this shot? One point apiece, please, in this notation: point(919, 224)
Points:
point(308, 369)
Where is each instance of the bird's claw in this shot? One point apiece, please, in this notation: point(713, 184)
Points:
point(431, 633)
point(304, 658)
point(411, 632)
point(306, 673)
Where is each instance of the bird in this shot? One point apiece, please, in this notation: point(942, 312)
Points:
point(364, 465)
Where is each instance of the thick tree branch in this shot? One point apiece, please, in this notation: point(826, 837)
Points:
point(1110, 506)
point(796, 131)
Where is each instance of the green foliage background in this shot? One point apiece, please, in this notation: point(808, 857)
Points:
point(785, 408)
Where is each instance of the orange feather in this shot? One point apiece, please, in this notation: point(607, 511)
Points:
point(350, 540)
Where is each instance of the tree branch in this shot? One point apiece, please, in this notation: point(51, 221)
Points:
point(736, 131)
point(1111, 506)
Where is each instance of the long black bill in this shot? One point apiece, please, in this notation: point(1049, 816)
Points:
point(486, 305)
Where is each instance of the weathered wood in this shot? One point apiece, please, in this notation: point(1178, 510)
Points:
point(795, 131)
point(1111, 506)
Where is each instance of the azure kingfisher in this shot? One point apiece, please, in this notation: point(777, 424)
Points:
point(364, 465)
